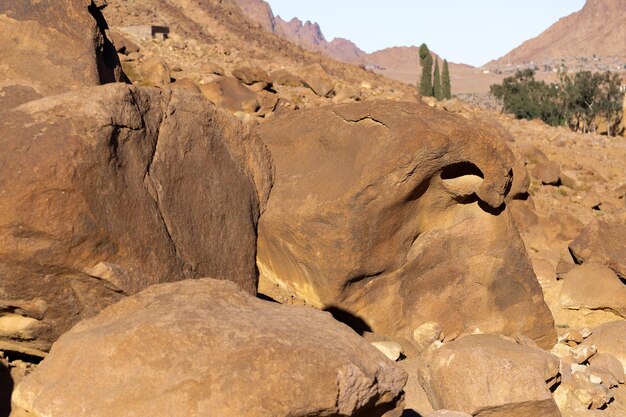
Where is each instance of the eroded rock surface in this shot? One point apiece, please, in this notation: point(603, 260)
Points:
point(485, 375)
point(110, 189)
point(50, 47)
point(610, 338)
point(391, 215)
point(602, 242)
point(204, 347)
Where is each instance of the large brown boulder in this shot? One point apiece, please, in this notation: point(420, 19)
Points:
point(251, 75)
point(594, 287)
point(317, 79)
point(610, 338)
point(49, 47)
point(230, 94)
point(110, 189)
point(206, 348)
point(391, 214)
point(485, 375)
point(603, 243)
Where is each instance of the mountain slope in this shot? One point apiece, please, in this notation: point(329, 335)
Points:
point(597, 29)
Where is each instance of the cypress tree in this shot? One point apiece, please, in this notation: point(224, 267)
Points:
point(446, 88)
point(426, 81)
point(437, 82)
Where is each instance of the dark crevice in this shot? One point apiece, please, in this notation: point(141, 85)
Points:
point(12, 356)
point(495, 211)
point(418, 191)
point(574, 257)
point(521, 196)
point(266, 297)
point(353, 321)
point(106, 56)
point(363, 278)
point(6, 388)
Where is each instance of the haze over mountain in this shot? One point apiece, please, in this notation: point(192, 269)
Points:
point(598, 29)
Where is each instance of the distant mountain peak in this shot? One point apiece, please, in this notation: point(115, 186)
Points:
point(597, 29)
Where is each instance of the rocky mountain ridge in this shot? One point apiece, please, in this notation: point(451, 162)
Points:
point(597, 30)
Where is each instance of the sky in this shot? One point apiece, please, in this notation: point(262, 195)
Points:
point(462, 31)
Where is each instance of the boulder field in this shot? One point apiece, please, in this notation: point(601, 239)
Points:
point(153, 235)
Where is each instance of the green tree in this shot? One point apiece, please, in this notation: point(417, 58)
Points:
point(426, 80)
point(446, 87)
point(437, 92)
point(527, 98)
point(584, 101)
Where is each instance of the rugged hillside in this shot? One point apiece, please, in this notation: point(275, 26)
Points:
point(598, 29)
point(215, 32)
point(399, 63)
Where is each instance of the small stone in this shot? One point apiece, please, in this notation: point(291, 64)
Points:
point(563, 268)
point(577, 368)
point(586, 332)
point(573, 336)
point(548, 173)
point(582, 353)
point(427, 334)
point(595, 379)
point(525, 341)
point(391, 350)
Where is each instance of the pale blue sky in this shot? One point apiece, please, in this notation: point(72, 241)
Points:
point(464, 31)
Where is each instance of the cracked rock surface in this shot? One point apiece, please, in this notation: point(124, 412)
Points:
point(110, 189)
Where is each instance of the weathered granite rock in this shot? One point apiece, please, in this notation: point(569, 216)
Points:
point(393, 213)
point(251, 75)
point(603, 243)
point(229, 93)
point(594, 287)
point(610, 338)
point(317, 79)
point(110, 189)
point(548, 173)
point(611, 364)
point(204, 347)
point(50, 47)
point(154, 72)
point(485, 375)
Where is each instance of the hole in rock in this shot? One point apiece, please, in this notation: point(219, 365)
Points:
point(460, 169)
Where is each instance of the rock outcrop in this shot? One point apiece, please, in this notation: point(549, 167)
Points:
point(485, 375)
point(610, 338)
point(594, 287)
point(391, 215)
point(51, 47)
point(204, 347)
point(110, 189)
point(603, 243)
point(231, 94)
